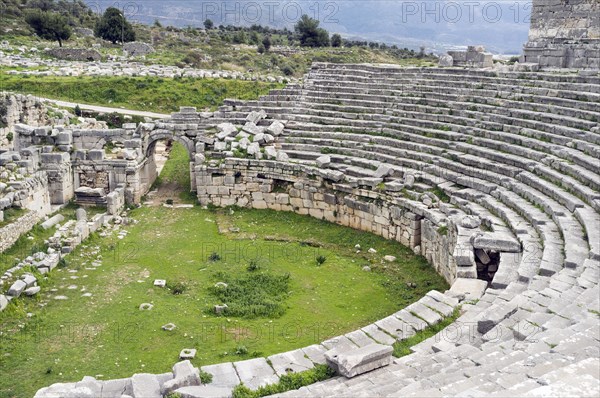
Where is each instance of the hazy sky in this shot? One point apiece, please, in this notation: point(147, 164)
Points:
point(500, 25)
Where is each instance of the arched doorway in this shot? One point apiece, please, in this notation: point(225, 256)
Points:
point(167, 173)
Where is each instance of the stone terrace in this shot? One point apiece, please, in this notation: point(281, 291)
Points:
point(519, 151)
point(459, 165)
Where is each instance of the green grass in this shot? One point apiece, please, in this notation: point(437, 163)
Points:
point(253, 295)
point(11, 214)
point(402, 348)
point(161, 95)
point(106, 334)
point(287, 382)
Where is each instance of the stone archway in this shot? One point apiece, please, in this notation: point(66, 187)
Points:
point(148, 171)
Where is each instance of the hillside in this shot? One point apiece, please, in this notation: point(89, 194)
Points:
point(227, 48)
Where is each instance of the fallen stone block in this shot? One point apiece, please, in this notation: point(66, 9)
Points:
point(361, 360)
point(471, 289)
point(17, 288)
point(184, 374)
point(52, 221)
point(496, 241)
point(145, 385)
point(323, 161)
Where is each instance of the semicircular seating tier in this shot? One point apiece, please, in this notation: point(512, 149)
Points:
point(519, 150)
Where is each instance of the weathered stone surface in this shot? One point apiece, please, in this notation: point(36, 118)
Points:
point(184, 374)
point(472, 289)
point(208, 391)
point(496, 241)
point(323, 161)
point(145, 385)
point(3, 302)
point(52, 221)
point(224, 375)
point(187, 353)
point(361, 360)
point(255, 373)
point(17, 288)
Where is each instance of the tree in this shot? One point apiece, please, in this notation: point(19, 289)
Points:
point(336, 40)
point(309, 33)
point(266, 42)
point(113, 26)
point(261, 48)
point(239, 37)
point(208, 24)
point(49, 25)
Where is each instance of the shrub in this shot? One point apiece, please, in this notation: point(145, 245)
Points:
point(241, 350)
point(214, 257)
point(288, 70)
point(77, 110)
point(253, 266)
point(169, 201)
point(177, 287)
point(321, 260)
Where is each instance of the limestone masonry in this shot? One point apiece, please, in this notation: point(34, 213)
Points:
point(493, 175)
point(564, 34)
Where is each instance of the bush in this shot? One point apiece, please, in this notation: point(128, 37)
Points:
point(321, 260)
point(253, 266)
point(77, 110)
point(214, 257)
point(177, 288)
point(241, 350)
point(288, 70)
point(169, 201)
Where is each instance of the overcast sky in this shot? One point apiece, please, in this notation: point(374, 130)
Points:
point(500, 25)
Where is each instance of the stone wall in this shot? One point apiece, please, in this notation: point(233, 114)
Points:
point(11, 232)
point(75, 54)
point(136, 48)
point(564, 34)
point(565, 19)
point(308, 191)
point(17, 108)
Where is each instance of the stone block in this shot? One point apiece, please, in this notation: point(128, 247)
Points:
point(145, 385)
point(357, 361)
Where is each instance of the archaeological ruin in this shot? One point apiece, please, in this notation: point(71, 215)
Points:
point(492, 175)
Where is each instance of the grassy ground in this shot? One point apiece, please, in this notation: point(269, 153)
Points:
point(137, 93)
point(107, 335)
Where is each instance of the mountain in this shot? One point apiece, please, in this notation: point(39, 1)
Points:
point(500, 25)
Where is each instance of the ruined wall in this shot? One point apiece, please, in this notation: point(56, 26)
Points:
point(564, 34)
point(565, 19)
point(17, 108)
point(289, 187)
point(11, 232)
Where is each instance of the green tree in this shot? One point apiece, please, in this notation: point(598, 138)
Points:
point(208, 24)
point(239, 37)
point(49, 25)
point(266, 42)
point(309, 33)
point(336, 40)
point(113, 26)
